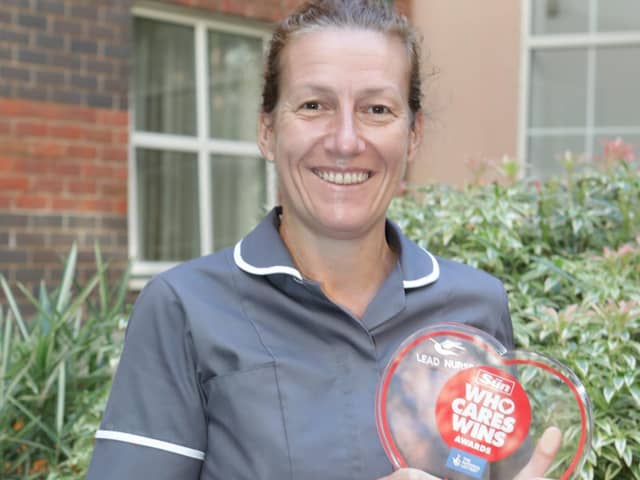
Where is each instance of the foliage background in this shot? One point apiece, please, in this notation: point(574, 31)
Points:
point(55, 372)
point(567, 249)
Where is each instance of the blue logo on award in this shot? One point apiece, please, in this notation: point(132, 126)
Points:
point(466, 463)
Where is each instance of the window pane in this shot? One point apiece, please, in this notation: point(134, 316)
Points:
point(168, 222)
point(617, 87)
point(164, 78)
point(545, 153)
point(560, 16)
point(618, 15)
point(558, 88)
point(239, 197)
point(234, 85)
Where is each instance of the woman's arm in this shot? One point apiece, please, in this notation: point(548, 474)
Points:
point(154, 426)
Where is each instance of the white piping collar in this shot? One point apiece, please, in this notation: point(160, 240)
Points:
point(247, 267)
point(427, 279)
point(287, 270)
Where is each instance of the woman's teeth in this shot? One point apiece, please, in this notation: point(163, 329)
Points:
point(343, 178)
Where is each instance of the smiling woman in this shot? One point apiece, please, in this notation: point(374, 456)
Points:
point(341, 135)
point(262, 361)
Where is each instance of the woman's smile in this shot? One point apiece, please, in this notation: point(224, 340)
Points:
point(342, 177)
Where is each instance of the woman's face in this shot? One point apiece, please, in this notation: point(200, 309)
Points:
point(341, 132)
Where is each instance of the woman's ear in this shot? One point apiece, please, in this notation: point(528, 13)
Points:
point(415, 135)
point(266, 139)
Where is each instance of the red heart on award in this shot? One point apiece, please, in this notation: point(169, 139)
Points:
point(455, 403)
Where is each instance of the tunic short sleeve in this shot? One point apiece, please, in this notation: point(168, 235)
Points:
point(504, 333)
point(154, 425)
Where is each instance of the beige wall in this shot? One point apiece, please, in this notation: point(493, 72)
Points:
point(473, 100)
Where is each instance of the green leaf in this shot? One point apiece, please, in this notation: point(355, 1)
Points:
point(60, 397)
point(583, 367)
point(635, 436)
point(14, 383)
point(44, 319)
point(618, 383)
point(102, 281)
point(81, 297)
point(122, 290)
point(631, 361)
point(41, 311)
point(550, 283)
point(19, 440)
point(14, 308)
point(67, 279)
point(6, 351)
point(621, 445)
point(608, 393)
point(528, 375)
point(598, 442)
point(629, 379)
point(612, 471)
point(77, 323)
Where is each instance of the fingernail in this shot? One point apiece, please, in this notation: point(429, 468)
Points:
point(551, 440)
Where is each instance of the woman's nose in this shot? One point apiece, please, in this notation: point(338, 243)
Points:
point(345, 139)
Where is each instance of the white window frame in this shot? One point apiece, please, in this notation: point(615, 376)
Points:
point(201, 144)
point(591, 41)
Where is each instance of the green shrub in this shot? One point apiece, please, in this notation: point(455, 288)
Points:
point(55, 372)
point(568, 251)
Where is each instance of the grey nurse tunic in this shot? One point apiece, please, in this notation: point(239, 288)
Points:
point(236, 367)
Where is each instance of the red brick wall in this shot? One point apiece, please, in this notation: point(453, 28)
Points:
point(267, 10)
point(63, 174)
point(64, 69)
point(59, 158)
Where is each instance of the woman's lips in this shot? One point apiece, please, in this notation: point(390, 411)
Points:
point(343, 177)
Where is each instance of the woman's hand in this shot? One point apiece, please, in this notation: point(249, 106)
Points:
point(543, 455)
point(541, 459)
point(409, 474)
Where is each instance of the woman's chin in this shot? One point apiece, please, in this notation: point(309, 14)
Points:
point(347, 226)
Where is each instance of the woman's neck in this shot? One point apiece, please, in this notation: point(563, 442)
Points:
point(350, 272)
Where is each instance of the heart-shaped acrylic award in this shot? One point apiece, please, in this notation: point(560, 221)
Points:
point(456, 404)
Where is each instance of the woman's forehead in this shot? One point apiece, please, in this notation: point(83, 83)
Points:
point(329, 57)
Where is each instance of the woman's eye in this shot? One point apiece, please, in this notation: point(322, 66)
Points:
point(311, 106)
point(379, 109)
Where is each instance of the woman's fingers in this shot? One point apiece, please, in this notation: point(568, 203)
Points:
point(543, 455)
point(409, 474)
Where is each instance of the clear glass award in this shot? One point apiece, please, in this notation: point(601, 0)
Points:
point(456, 404)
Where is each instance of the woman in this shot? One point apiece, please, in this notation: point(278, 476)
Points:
point(261, 362)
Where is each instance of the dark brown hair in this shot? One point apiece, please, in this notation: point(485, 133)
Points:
point(375, 15)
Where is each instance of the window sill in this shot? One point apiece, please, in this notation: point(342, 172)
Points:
point(141, 272)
